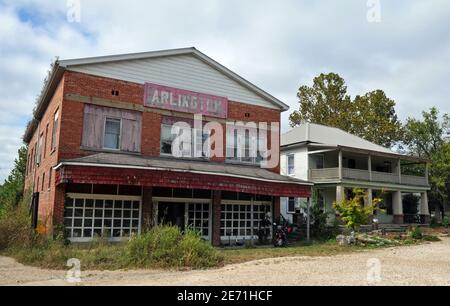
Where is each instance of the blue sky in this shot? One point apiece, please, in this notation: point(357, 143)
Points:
point(278, 45)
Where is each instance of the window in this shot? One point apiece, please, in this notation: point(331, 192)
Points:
point(198, 218)
point(198, 138)
point(43, 181)
point(245, 145)
point(236, 220)
point(112, 134)
point(291, 205)
point(319, 161)
point(320, 200)
point(290, 164)
point(113, 217)
point(39, 149)
point(55, 129)
point(45, 140)
point(166, 139)
point(49, 178)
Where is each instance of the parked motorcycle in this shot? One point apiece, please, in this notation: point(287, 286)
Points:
point(280, 234)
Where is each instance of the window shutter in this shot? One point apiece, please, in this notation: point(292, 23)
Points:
point(131, 135)
point(93, 126)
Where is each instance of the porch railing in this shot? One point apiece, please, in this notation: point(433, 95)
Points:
point(330, 174)
point(414, 219)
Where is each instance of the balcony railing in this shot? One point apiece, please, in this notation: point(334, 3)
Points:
point(330, 174)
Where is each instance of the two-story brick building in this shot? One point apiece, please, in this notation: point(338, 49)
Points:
point(100, 148)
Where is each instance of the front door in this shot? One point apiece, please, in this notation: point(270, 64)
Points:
point(172, 213)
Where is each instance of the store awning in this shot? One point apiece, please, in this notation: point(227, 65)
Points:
point(126, 169)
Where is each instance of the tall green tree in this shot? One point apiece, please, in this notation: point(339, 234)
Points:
point(429, 137)
point(11, 191)
point(371, 116)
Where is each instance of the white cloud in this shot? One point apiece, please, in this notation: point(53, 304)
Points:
point(276, 45)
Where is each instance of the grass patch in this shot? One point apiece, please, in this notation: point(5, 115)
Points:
point(315, 248)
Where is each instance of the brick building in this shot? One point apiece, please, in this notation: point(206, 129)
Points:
point(100, 148)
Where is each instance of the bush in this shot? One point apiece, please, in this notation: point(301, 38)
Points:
point(166, 246)
point(446, 221)
point(15, 228)
point(416, 233)
point(431, 238)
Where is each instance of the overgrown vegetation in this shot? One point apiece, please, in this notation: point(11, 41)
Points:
point(160, 247)
point(353, 212)
point(11, 191)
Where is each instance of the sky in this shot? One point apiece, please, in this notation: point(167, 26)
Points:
point(401, 46)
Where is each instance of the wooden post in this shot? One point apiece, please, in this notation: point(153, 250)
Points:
point(340, 164)
point(308, 219)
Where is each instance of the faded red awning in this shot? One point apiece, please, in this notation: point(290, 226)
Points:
point(91, 174)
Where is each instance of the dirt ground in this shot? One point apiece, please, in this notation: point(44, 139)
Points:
point(425, 264)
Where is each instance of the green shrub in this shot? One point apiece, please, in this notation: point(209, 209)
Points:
point(431, 238)
point(416, 233)
point(166, 246)
point(15, 228)
point(446, 221)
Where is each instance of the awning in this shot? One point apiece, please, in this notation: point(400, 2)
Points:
point(125, 169)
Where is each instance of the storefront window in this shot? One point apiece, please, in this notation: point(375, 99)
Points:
point(87, 218)
point(236, 220)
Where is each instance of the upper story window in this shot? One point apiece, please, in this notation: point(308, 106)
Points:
point(107, 128)
point(112, 134)
point(55, 129)
point(290, 164)
point(39, 149)
point(245, 145)
point(196, 147)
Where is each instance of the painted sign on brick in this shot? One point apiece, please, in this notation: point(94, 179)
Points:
point(186, 101)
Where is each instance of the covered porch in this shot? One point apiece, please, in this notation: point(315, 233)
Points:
point(396, 207)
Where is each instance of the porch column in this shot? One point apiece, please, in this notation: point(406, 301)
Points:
point(340, 193)
point(216, 212)
point(427, 165)
point(147, 209)
point(397, 207)
point(340, 164)
point(399, 171)
point(369, 166)
point(368, 201)
point(424, 210)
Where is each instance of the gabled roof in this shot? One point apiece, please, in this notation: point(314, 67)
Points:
point(326, 136)
point(62, 65)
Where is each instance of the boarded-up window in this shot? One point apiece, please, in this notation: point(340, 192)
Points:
point(94, 127)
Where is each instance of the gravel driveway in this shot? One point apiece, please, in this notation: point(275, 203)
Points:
point(426, 264)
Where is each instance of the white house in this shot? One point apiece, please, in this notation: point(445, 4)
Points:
point(337, 161)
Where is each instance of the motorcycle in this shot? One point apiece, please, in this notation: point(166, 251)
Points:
point(280, 234)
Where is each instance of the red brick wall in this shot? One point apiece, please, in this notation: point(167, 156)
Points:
point(71, 121)
point(49, 159)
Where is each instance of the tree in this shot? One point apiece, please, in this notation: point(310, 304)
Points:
point(371, 116)
point(430, 138)
point(352, 212)
point(11, 191)
point(376, 120)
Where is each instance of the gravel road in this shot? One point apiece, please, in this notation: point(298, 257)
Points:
point(425, 264)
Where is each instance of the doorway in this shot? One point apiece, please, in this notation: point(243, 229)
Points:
point(172, 213)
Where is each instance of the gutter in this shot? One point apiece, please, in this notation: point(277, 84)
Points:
point(61, 164)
